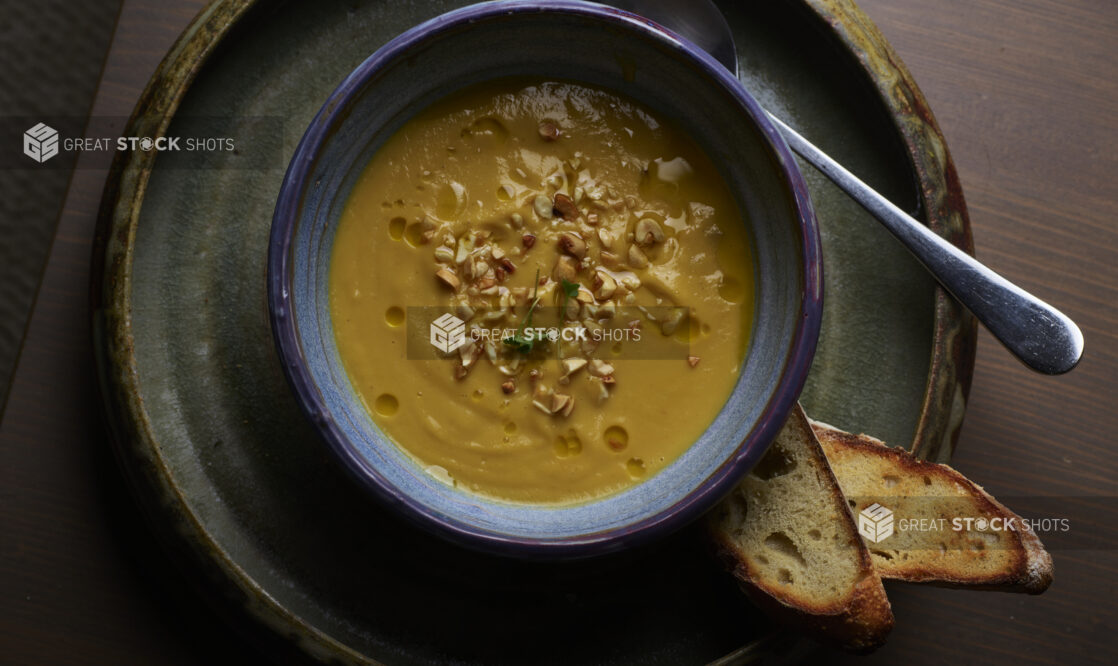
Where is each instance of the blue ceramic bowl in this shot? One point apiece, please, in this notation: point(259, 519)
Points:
point(548, 40)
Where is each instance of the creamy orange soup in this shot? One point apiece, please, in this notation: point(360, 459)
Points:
point(580, 208)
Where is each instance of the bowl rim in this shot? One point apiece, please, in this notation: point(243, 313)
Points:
point(687, 508)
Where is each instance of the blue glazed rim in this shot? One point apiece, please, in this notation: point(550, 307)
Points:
point(702, 497)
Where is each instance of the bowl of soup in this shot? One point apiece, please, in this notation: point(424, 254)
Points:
point(544, 278)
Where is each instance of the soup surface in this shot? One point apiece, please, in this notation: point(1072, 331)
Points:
point(600, 265)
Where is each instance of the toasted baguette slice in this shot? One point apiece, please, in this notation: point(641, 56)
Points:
point(870, 472)
point(788, 536)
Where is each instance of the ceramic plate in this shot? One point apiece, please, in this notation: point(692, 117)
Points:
point(239, 486)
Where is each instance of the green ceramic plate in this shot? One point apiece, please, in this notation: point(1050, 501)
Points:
point(235, 479)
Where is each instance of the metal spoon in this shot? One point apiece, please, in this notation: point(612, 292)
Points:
point(1040, 335)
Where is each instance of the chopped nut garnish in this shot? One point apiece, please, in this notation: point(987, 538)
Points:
point(637, 257)
point(606, 238)
point(549, 131)
point(543, 206)
point(596, 274)
point(648, 232)
point(465, 245)
point(541, 398)
point(564, 207)
point(566, 268)
point(670, 324)
point(425, 229)
point(572, 244)
point(464, 312)
point(570, 312)
point(444, 254)
point(610, 260)
point(481, 267)
point(572, 365)
point(604, 285)
point(469, 353)
point(603, 392)
point(600, 368)
point(447, 277)
point(561, 403)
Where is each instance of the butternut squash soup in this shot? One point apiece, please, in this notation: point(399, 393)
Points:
point(586, 231)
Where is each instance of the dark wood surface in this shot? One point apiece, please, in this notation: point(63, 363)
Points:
point(1026, 92)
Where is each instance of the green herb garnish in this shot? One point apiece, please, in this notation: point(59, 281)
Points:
point(570, 290)
point(519, 341)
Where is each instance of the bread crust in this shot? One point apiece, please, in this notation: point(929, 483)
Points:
point(862, 619)
point(1027, 567)
point(860, 624)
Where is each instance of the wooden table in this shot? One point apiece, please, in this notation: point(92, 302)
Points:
point(1027, 94)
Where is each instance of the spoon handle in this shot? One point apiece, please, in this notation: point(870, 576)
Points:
point(1040, 335)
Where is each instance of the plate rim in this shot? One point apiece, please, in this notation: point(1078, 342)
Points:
point(136, 449)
